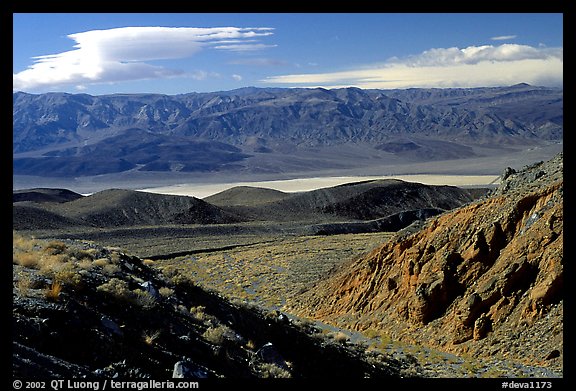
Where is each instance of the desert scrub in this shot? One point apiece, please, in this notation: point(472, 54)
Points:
point(144, 299)
point(269, 370)
point(81, 254)
point(53, 291)
point(24, 283)
point(22, 243)
point(199, 314)
point(55, 247)
point(165, 291)
point(67, 274)
point(110, 269)
point(151, 336)
point(120, 290)
point(339, 337)
point(101, 262)
point(380, 336)
point(26, 259)
point(116, 288)
point(219, 334)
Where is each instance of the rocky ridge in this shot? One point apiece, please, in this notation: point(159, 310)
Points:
point(71, 135)
point(485, 279)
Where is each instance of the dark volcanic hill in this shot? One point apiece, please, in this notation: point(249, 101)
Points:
point(486, 279)
point(246, 196)
point(66, 135)
point(366, 200)
point(45, 195)
point(360, 201)
point(115, 207)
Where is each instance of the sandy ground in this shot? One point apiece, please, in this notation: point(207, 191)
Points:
point(200, 190)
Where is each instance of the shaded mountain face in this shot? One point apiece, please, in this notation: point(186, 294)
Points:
point(116, 208)
point(44, 195)
point(485, 279)
point(77, 135)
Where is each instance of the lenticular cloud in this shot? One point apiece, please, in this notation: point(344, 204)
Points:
point(120, 54)
point(473, 66)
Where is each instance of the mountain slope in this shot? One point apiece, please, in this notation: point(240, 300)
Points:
point(115, 207)
point(44, 195)
point(485, 279)
point(241, 129)
point(85, 311)
point(366, 200)
point(355, 201)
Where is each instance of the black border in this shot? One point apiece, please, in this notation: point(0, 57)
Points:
point(376, 6)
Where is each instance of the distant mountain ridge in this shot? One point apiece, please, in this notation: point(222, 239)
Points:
point(78, 134)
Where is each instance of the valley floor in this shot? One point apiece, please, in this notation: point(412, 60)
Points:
point(202, 190)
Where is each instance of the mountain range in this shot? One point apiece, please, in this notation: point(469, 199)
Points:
point(264, 130)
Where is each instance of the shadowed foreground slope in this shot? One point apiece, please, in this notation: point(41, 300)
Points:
point(82, 310)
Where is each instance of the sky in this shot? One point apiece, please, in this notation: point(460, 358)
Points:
point(180, 53)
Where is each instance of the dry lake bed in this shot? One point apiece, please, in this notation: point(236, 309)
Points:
point(202, 190)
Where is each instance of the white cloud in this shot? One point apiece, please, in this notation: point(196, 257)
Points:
point(503, 37)
point(237, 77)
point(120, 54)
point(473, 66)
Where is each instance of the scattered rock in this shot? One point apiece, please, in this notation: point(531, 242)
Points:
point(150, 289)
point(269, 354)
point(111, 326)
point(186, 369)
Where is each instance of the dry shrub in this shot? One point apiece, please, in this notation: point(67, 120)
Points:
point(55, 247)
point(269, 370)
point(53, 292)
point(22, 243)
point(101, 262)
point(24, 283)
point(150, 337)
point(165, 291)
point(144, 299)
point(110, 270)
point(81, 254)
point(218, 335)
point(116, 288)
point(339, 337)
point(85, 264)
point(67, 275)
point(26, 259)
point(50, 264)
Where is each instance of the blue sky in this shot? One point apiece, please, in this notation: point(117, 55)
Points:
point(181, 53)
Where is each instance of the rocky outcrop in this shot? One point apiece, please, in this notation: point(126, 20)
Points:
point(483, 279)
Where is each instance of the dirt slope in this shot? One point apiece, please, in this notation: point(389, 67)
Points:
point(485, 279)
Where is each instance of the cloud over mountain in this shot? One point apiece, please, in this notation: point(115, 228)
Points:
point(123, 54)
point(473, 66)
